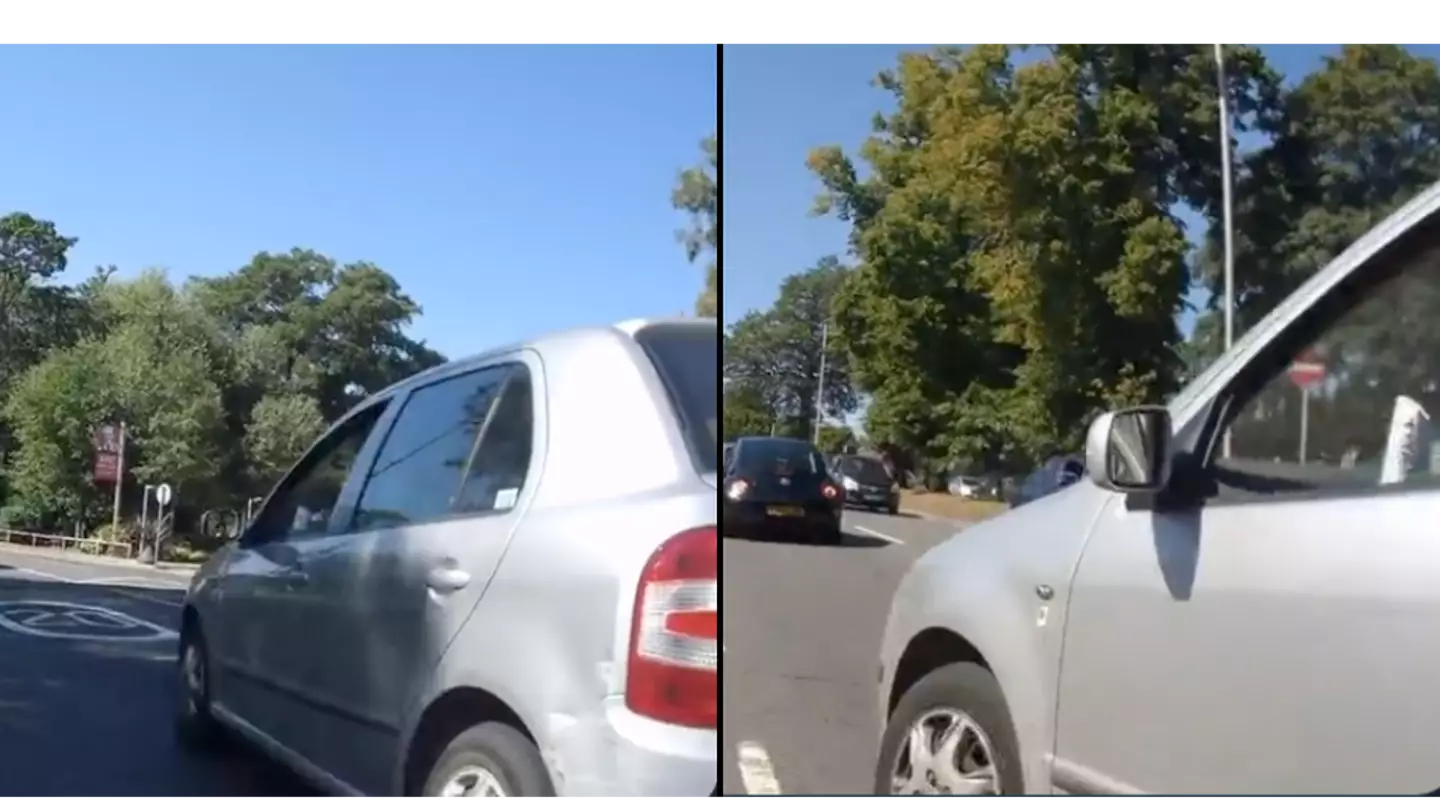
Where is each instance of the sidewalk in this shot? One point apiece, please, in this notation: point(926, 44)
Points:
point(176, 569)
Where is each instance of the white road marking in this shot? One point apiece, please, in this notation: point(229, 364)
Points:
point(872, 532)
point(34, 615)
point(111, 583)
point(756, 771)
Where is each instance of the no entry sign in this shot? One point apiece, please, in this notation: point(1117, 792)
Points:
point(1307, 370)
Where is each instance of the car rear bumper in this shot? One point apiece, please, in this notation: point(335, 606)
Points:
point(888, 500)
point(629, 755)
point(740, 518)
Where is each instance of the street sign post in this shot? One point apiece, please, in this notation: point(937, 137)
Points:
point(162, 494)
point(1306, 373)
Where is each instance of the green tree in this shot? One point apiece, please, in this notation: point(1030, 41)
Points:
point(837, 438)
point(282, 427)
point(1021, 265)
point(698, 195)
point(776, 354)
point(745, 412)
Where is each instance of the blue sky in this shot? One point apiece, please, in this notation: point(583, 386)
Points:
point(510, 190)
point(782, 101)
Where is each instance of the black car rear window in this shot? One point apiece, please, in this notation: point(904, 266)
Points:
point(687, 356)
point(771, 454)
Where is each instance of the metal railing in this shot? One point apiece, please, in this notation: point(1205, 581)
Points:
point(35, 539)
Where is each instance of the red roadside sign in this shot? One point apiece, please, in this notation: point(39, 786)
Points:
point(1307, 370)
point(107, 467)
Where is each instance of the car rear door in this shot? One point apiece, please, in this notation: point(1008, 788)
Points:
point(433, 519)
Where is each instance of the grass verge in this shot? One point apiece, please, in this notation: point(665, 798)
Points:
point(949, 506)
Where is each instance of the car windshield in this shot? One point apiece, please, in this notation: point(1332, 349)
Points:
point(688, 359)
point(864, 470)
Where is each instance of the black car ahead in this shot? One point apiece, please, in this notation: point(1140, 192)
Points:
point(866, 483)
point(780, 486)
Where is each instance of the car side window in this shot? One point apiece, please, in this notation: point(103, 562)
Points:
point(420, 466)
point(1352, 411)
point(303, 504)
point(499, 463)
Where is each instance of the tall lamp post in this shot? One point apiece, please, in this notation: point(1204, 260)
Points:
point(1228, 207)
point(820, 384)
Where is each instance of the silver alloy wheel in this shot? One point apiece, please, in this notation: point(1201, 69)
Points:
point(472, 782)
point(945, 752)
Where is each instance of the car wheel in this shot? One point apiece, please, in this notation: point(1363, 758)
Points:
point(490, 760)
point(951, 734)
point(195, 725)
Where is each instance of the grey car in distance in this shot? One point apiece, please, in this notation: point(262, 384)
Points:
point(1242, 594)
point(443, 598)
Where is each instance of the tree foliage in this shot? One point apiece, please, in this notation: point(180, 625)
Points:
point(774, 356)
point(222, 382)
point(698, 195)
point(1021, 262)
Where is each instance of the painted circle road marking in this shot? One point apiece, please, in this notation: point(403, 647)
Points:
point(62, 620)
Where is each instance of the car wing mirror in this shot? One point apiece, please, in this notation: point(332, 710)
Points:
point(1128, 450)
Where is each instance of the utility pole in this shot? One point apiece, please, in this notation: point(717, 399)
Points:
point(1225, 178)
point(820, 386)
point(119, 485)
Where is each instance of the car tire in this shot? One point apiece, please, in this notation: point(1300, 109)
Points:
point(195, 726)
point(490, 756)
point(967, 690)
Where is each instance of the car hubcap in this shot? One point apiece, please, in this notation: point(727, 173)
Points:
point(473, 782)
point(945, 752)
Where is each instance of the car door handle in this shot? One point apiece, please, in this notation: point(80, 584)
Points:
point(446, 579)
point(295, 577)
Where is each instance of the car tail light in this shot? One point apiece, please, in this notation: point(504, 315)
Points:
point(830, 491)
point(674, 666)
point(737, 489)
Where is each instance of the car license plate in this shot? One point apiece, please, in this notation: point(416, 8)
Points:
point(785, 511)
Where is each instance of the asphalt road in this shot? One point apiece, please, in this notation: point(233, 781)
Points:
point(87, 685)
point(801, 631)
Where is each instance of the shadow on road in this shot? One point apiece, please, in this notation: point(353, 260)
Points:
point(848, 539)
point(86, 698)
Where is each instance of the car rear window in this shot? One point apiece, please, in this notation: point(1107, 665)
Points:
point(687, 356)
point(779, 454)
point(865, 470)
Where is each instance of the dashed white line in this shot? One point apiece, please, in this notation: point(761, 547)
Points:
point(756, 771)
point(872, 532)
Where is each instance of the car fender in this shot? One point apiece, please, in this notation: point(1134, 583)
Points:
point(1002, 587)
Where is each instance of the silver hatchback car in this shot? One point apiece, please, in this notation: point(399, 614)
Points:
point(448, 596)
point(1241, 597)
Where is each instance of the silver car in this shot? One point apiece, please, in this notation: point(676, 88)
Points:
point(446, 597)
point(1243, 594)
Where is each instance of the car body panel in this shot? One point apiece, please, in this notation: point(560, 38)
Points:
point(544, 626)
point(1223, 648)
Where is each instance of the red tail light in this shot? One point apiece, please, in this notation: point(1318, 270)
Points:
point(830, 491)
point(674, 669)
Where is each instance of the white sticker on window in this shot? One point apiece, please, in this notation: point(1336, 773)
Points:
point(505, 498)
